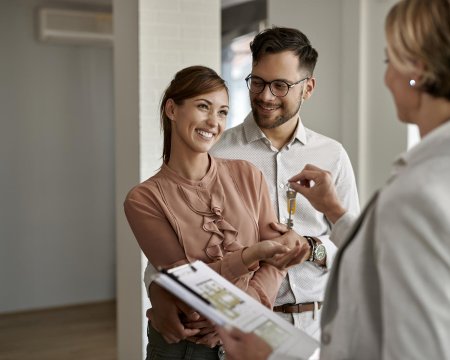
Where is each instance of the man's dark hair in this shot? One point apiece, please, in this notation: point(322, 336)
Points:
point(277, 39)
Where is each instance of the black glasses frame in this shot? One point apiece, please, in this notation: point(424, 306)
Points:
point(249, 77)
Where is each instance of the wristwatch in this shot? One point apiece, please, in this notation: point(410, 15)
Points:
point(318, 250)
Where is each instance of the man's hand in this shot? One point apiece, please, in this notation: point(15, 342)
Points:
point(321, 193)
point(239, 345)
point(165, 315)
point(207, 335)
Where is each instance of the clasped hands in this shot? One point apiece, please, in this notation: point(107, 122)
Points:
point(287, 250)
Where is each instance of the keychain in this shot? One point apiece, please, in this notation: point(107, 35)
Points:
point(291, 206)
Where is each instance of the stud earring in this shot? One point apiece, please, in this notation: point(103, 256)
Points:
point(412, 82)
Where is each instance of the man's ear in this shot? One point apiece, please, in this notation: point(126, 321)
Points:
point(309, 88)
point(169, 108)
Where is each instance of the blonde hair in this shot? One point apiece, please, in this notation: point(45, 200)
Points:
point(418, 31)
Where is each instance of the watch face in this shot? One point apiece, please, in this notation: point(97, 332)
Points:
point(320, 252)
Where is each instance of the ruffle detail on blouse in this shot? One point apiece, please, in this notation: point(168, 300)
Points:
point(223, 234)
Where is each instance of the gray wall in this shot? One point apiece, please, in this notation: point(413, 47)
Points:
point(57, 233)
point(321, 21)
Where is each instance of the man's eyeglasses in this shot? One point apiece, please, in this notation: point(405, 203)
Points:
point(278, 88)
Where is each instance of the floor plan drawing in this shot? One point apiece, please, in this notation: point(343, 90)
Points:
point(220, 297)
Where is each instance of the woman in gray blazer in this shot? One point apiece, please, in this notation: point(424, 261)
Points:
point(388, 296)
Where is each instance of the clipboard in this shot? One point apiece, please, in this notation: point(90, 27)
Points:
point(225, 304)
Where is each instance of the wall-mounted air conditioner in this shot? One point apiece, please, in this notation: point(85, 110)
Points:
point(75, 26)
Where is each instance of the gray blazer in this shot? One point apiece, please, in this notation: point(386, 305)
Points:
point(388, 294)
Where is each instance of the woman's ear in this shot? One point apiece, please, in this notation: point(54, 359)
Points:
point(417, 73)
point(169, 108)
point(309, 88)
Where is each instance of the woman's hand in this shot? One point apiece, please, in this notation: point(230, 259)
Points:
point(321, 193)
point(262, 250)
point(300, 249)
point(239, 345)
point(294, 257)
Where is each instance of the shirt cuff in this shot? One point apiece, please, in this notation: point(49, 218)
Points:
point(331, 250)
point(148, 274)
point(341, 228)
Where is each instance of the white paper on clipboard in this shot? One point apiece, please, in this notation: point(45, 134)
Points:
point(223, 303)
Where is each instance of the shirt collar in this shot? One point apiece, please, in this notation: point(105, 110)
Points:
point(254, 133)
point(431, 145)
point(209, 176)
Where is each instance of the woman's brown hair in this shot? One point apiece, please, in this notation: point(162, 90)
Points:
point(187, 83)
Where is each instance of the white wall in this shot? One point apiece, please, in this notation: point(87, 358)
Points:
point(153, 40)
point(385, 137)
point(350, 103)
point(173, 34)
point(57, 168)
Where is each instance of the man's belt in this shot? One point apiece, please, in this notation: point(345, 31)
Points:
point(296, 308)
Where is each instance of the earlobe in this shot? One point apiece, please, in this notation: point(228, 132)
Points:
point(310, 85)
point(308, 93)
point(416, 75)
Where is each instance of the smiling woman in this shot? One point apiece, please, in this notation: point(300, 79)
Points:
point(196, 125)
point(198, 207)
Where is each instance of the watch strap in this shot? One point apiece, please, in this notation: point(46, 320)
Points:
point(312, 244)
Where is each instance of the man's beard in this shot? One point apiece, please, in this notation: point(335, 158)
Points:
point(265, 123)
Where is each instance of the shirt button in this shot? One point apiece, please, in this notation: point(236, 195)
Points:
point(283, 220)
point(281, 186)
point(326, 338)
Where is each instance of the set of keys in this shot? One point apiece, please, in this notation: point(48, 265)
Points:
point(291, 205)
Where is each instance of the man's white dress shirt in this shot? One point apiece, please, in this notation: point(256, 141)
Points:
point(305, 282)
